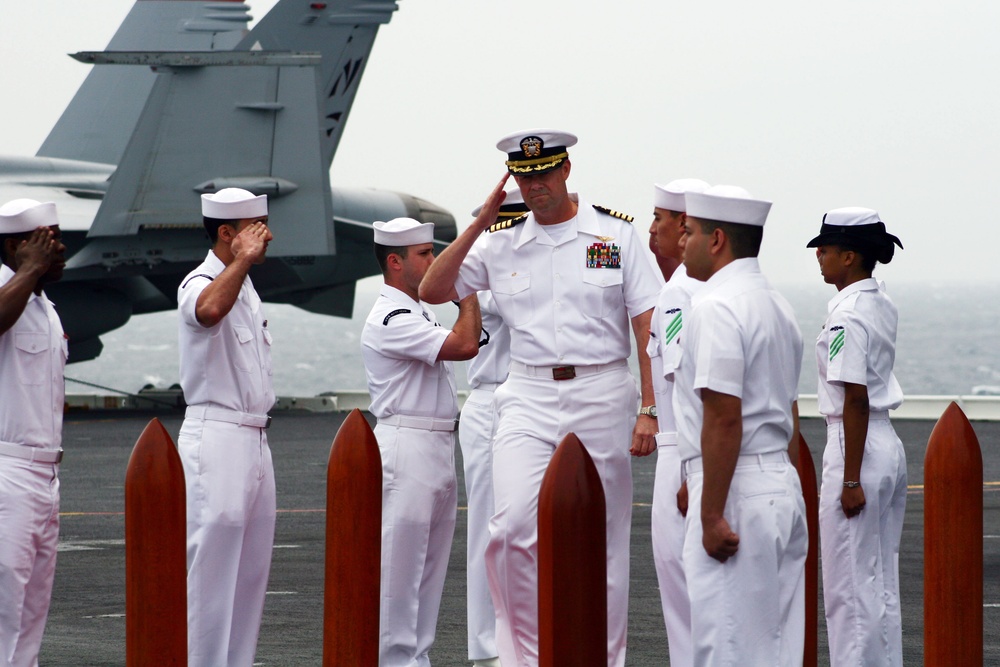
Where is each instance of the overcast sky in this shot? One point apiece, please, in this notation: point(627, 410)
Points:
point(891, 105)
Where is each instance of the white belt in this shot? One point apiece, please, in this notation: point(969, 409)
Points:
point(667, 439)
point(31, 454)
point(564, 372)
point(227, 415)
point(874, 415)
point(422, 423)
point(696, 465)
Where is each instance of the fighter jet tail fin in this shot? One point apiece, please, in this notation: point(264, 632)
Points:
point(223, 119)
point(342, 32)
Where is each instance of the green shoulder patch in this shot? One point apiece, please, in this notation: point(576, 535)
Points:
point(614, 214)
point(507, 224)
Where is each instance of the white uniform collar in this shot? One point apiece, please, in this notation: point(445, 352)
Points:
point(866, 285)
point(399, 296)
point(213, 263)
point(586, 223)
point(735, 268)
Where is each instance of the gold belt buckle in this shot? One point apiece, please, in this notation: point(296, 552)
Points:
point(563, 373)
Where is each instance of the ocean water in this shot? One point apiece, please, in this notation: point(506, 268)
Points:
point(948, 343)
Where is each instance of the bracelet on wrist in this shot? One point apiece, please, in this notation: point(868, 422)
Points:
point(851, 485)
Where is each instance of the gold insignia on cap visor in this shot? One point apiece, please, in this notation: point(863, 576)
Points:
point(538, 164)
point(532, 146)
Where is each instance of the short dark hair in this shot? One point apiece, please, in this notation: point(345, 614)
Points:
point(743, 239)
point(382, 253)
point(212, 227)
point(20, 236)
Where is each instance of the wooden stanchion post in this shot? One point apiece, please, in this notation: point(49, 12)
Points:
point(353, 546)
point(953, 543)
point(810, 493)
point(572, 561)
point(155, 552)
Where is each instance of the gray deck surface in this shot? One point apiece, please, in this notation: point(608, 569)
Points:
point(87, 625)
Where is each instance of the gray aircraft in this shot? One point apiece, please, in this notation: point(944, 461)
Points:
point(186, 101)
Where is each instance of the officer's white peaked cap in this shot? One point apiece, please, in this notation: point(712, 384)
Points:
point(727, 203)
point(671, 195)
point(532, 152)
point(403, 232)
point(233, 204)
point(26, 215)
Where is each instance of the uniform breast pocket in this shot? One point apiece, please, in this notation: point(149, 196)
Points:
point(602, 290)
point(671, 358)
point(32, 355)
point(513, 297)
point(244, 356)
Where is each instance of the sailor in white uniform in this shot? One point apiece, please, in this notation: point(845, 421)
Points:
point(412, 386)
point(863, 494)
point(32, 359)
point(568, 281)
point(665, 336)
point(486, 371)
point(734, 401)
point(225, 367)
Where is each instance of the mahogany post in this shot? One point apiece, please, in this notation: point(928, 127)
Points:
point(572, 561)
point(953, 543)
point(155, 552)
point(353, 546)
point(810, 493)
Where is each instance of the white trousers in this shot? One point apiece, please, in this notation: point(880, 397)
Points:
point(534, 415)
point(29, 535)
point(475, 434)
point(230, 535)
point(750, 610)
point(861, 554)
point(668, 550)
point(419, 502)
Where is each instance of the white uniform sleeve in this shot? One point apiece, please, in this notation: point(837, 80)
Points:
point(187, 299)
point(410, 336)
point(848, 342)
point(472, 275)
point(719, 360)
point(641, 285)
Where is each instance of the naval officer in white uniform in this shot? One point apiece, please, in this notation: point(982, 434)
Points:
point(568, 281)
point(734, 401)
point(225, 350)
point(665, 335)
point(32, 359)
point(863, 495)
point(486, 371)
point(412, 386)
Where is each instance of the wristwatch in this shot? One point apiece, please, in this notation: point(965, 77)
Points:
point(649, 411)
point(851, 485)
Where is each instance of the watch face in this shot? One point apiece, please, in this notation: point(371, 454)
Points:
point(652, 411)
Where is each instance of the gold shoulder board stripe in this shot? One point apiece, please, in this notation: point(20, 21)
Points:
point(614, 214)
point(507, 224)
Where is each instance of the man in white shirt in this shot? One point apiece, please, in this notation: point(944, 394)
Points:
point(665, 334)
point(486, 371)
point(32, 359)
point(412, 386)
point(225, 367)
point(734, 401)
point(568, 280)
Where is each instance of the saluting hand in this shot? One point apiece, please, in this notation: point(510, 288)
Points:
point(488, 213)
point(251, 243)
point(38, 252)
point(719, 539)
point(852, 500)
